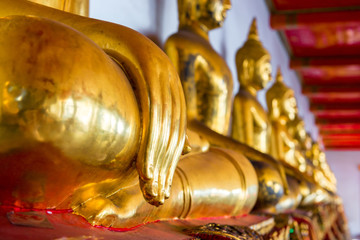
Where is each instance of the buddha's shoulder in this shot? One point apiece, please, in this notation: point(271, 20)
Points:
point(185, 39)
point(245, 96)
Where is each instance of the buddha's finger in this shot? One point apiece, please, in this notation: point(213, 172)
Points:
point(180, 121)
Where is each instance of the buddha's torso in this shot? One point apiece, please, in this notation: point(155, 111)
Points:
point(283, 145)
point(211, 76)
point(246, 105)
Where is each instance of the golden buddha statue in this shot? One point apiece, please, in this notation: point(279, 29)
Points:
point(296, 129)
point(282, 108)
point(250, 122)
point(322, 172)
point(312, 192)
point(290, 143)
point(92, 118)
point(207, 83)
point(205, 76)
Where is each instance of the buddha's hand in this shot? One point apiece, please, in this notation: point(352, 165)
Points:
point(162, 106)
point(164, 141)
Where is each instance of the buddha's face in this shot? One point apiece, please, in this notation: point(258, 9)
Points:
point(212, 13)
point(289, 106)
point(263, 71)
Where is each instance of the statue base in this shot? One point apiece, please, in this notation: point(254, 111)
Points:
point(16, 223)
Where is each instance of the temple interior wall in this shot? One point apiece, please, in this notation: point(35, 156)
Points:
point(345, 165)
point(157, 19)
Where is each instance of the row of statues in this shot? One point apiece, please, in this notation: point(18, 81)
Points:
point(96, 118)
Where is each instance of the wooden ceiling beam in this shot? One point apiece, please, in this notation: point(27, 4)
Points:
point(349, 147)
point(306, 5)
point(336, 121)
point(352, 62)
point(343, 97)
point(335, 114)
point(302, 20)
point(341, 137)
point(331, 106)
point(334, 88)
point(328, 80)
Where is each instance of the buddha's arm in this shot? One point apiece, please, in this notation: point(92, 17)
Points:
point(155, 83)
point(300, 159)
point(295, 163)
point(242, 124)
point(263, 129)
point(185, 66)
point(287, 149)
point(260, 121)
point(277, 143)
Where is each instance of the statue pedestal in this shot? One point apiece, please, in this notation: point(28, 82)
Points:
point(20, 224)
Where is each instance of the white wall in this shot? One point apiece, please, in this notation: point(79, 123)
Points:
point(157, 19)
point(345, 166)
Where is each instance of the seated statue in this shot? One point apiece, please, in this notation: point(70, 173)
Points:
point(296, 128)
point(290, 144)
point(250, 123)
point(93, 119)
point(322, 172)
point(282, 108)
point(208, 87)
point(312, 193)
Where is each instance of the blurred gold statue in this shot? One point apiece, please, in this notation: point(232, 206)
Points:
point(207, 83)
point(322, 172)
point(204, 74)
point(93, 119)
point(282, 108)
point(312, 192)
point(297, 131)
point(250, 122)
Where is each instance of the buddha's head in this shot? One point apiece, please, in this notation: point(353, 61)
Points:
point(281, 100)
point(253, 62)
point(210, 14)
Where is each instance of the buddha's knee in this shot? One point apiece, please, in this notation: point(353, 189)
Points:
point(271, 187)
point(217, 183)
point(58, 87)
point(65, 109)
point(313, 194)
point(292, 199)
